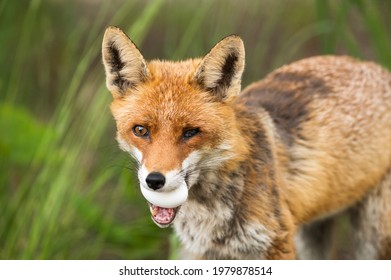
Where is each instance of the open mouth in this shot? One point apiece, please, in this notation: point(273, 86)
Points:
point(163, 217)
point(164, 206)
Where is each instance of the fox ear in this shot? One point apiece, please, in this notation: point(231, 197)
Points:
point(220, 72)
point(124, 65)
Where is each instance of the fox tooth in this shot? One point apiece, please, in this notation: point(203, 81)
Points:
point(154, 210)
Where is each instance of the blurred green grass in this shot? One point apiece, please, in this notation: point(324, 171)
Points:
point(66, 191)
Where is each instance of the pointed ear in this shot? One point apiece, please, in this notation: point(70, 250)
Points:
point(124, 65)
point(220, 72)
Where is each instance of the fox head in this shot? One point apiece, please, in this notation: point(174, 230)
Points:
point(175, 118)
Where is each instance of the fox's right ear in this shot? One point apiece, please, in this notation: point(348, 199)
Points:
point(125, 66)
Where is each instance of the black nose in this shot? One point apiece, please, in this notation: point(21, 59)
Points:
point(155, 180)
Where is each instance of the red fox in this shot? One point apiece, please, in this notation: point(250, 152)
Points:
point(258, 173)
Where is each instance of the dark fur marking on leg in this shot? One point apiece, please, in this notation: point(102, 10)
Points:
point(264, 166)
point(317, 237)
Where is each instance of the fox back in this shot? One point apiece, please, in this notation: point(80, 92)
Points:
point(250, 174)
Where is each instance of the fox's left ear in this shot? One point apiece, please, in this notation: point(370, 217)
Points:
point(125, 66)
point(220, 72)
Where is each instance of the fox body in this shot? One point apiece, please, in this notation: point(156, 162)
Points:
point(262, 172)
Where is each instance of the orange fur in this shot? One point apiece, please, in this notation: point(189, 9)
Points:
point(310, 140)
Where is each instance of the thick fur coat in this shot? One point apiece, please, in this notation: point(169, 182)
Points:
point(268, 168)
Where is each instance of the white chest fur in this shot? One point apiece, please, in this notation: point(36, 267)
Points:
point(218, 233)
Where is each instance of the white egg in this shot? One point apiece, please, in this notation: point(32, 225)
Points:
point(169, 199)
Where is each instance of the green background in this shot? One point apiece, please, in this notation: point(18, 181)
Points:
point(66, 190)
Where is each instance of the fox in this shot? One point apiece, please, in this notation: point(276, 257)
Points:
point(258, 173)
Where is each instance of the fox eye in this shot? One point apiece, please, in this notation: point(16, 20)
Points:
point(190, 133)
point(141, 131)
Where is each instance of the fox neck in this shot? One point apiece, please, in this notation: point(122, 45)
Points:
point(225, 205)
point(213, 223)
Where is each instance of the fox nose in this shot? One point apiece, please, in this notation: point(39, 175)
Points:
point(155, 180)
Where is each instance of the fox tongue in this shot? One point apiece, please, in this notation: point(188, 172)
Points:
point(162, 215)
